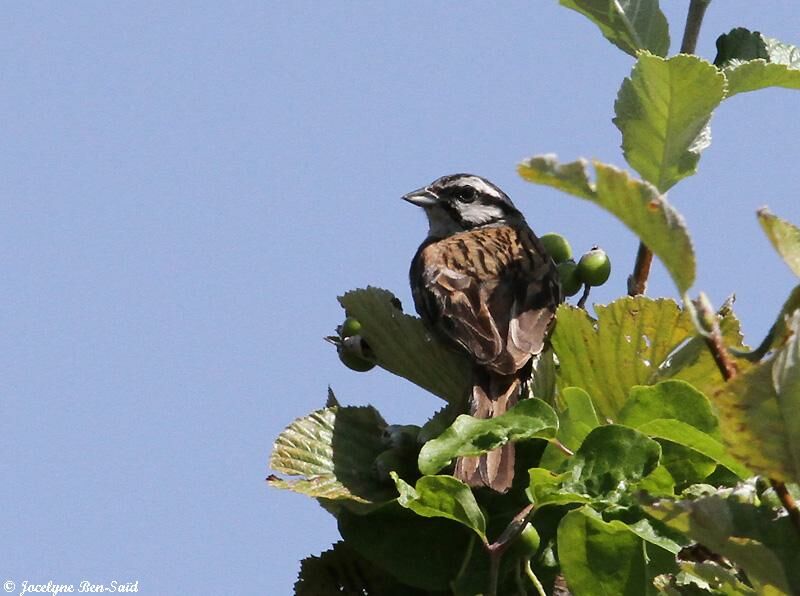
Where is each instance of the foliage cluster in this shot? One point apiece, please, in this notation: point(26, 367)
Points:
point(657, 454)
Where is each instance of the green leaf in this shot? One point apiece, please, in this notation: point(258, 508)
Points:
point(711, 578)
point(426, 553)
point(403, 346)
point(575, 422)
point(636, 204)
point(676, 412)
point(663, 111)
point(685, 466)
point(776, 335)
point(607, 558)
point(333, 451)
point(341, 570)
point(529, 419)
point(785, 237)
point(610, 463)
point(612, 458)
point(688, 436)
point(752, 61)
point(764, 545)
point(760, 412)
point(442, 496)
point(740, 44)
point(623, 348)
point(676, 400)
point(547, 488)
point(631, 25)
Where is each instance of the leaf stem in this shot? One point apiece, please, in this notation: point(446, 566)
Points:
point(584, 296)
point(534, 580)
point(709, 322)
point(788, 502)
point(637, 282)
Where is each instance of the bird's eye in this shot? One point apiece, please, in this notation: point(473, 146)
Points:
point(466, 194)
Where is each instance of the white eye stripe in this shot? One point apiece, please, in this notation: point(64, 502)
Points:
point(480, 186)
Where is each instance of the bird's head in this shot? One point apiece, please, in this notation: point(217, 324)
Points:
point(462, 202)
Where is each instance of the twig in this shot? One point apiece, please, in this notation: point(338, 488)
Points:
point(697, 10)
point(788, 502)
point(708, 320)
point(637, 282)
point(497, 548)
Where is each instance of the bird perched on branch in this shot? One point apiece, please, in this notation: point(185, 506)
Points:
point(483, 282)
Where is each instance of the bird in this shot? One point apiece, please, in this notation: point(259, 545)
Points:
point(483, 283)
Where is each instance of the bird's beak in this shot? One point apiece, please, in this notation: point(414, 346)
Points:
point(422, 197)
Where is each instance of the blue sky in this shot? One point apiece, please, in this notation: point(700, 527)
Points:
point(188, 186)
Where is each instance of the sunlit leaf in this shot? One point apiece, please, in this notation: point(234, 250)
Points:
point(764, 545)
point(706, 578)
point(529, 419)
point(663, 110)
point(636, 204)
point(333, 452)
point(631, 25)
point(760, 412)
point(404, 347)
point(623, 348)
point(785, 237)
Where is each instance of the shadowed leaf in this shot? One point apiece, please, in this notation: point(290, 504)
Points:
point(575, 422)
point(341, 570)
point(631, 25)
point(752, 61)
point(608, 558)
point(403, 346)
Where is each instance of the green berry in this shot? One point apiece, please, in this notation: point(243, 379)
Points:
point(557, 247)
point(350, 327)
point(355, 362)
point(529, 541)
point(570, 280)
point(594, 267)
point(351, 353)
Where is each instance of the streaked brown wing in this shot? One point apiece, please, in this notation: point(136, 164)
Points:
point(492, 292)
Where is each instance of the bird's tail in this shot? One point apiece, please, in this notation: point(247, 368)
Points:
point(492, 395)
